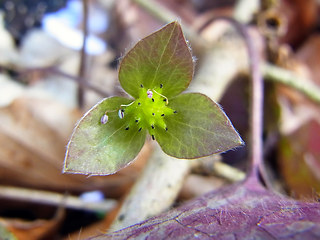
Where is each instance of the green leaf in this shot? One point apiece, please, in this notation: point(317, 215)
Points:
point(199, 128)
point(101, 149)
point(161, 58)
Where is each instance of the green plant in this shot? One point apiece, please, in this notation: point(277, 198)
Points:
point(154, 72)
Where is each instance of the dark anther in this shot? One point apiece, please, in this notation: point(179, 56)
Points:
point(166, 129)
point(152, 137)
point(152, 126)
point(140, 129)
point(153, 114)
point(127, 128)
point(139, 103)
point(175, 112)
point(164, 100)
point(122, 110)
point(141, 85)
point(137, 120)
point(162, 115)
point(152, 100)
point(161, 85)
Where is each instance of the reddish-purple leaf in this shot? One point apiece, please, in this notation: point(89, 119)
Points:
point(241, 211)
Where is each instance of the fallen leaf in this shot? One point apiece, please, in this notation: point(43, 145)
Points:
point(301, 16)
point(38, 229)
point(299, 160)
point(309, 54)
point(32, 142)
point(241, 211)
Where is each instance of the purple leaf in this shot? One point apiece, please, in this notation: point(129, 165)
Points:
point(241, 211)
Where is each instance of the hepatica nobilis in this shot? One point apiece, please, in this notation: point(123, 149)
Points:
point(154, 72)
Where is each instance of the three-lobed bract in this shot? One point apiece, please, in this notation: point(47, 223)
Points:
point(154, 72)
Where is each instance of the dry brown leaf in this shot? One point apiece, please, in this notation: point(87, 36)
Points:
point(298, 152)
point(309, 54)
point(299, 160)
point(301, 16)
point(38, 229)
point(32, 137)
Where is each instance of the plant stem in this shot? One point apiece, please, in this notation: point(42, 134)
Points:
point(165, 15)
point(83, 58)
point(228, 172)
point(256, 148)
point(55, 71)
point(157, 10)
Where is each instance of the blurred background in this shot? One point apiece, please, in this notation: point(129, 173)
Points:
point(59, 58)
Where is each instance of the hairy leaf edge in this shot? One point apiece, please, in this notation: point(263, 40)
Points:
point(241, 143)
point(66, 170)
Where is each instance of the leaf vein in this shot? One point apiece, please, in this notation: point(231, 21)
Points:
point(161, 57)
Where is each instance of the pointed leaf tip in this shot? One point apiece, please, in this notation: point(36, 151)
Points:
point(162, 58)
point(200, 128)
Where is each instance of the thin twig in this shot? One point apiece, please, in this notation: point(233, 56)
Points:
point(52, 70)
point(55, 199)
point(157, 10)
point(228, 172)
point(165, 15)
point(288, 78)
point(83, 55)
